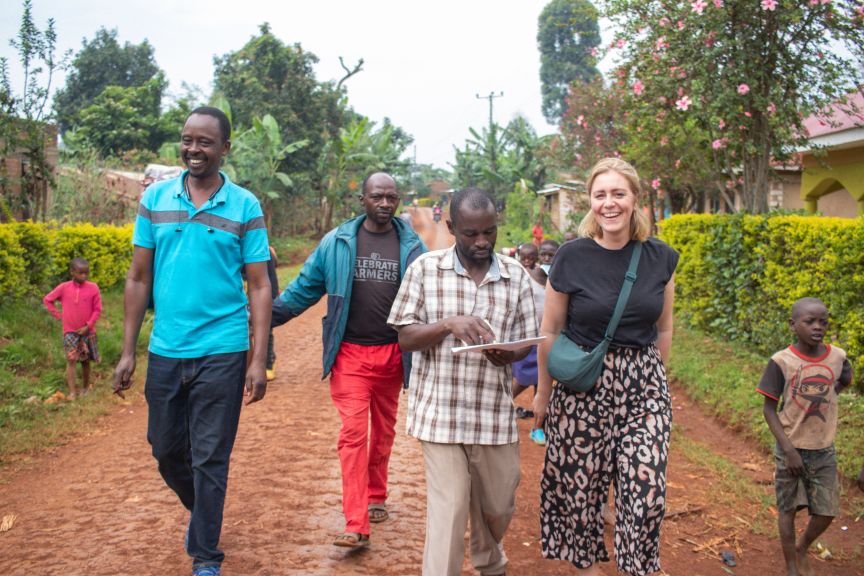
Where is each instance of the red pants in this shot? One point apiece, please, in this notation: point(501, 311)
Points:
point(364, 386)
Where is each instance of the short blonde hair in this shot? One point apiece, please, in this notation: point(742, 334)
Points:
point(640, 226)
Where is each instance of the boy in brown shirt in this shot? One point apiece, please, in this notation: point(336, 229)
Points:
point(804, 379)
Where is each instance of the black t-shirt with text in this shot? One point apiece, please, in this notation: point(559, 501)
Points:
point(593, 277)
point(376, 282)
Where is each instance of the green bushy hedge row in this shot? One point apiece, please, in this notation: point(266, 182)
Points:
point(34, 257)
point(739, 275)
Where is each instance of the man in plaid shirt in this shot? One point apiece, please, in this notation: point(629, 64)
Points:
point(460, 406)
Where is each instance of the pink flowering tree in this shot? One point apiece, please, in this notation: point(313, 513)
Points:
point(739, 75)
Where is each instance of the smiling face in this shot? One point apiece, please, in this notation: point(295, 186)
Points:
point(475, 230)
point(612, 204)
point(379, 199)
point(202, 145)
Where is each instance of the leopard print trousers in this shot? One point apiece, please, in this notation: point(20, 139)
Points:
point(617, 433)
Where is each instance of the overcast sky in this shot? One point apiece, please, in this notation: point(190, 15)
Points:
point(425, 62)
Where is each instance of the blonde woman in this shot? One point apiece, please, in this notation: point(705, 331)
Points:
point(618, 432)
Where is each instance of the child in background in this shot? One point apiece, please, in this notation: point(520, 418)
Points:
point(81, 305)
point(548, 248)
point(805, 379)
point(525, 370)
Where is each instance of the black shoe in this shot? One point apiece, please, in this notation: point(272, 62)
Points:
point(523, 412)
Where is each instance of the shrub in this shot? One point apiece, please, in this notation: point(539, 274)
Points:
point(13, 265)
point(35, 257)
point(36, 240)
point(740, 274)
point(107, 248)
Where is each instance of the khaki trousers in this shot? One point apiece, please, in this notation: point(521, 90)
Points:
point(465, 480)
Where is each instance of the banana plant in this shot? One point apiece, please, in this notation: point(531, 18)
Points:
point(256, 158)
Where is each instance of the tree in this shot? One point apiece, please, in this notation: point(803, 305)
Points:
point(23, 119)
point(100, 63)
point(567, 36)
point(593, 126)
point(744, 73)
point(121, 119)
point(266, 76)
point(255, 158)
point(497, 158)
point(358, 150)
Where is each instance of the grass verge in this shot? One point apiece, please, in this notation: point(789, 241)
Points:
point(723, 376)
point(32, 365)
point(729, 483)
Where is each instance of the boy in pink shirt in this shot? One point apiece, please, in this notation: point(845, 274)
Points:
point(81, 305)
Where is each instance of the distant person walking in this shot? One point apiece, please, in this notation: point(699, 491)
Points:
point(81, 304)
point(359, 267)
point(193, 234)
point(618, 431)
point(460, 407)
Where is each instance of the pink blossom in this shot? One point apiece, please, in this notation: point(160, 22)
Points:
point(814, 2)
point(743, 89)
point(709, 40)
point(683, 103)
point(721, 124)
point(698, 6)
point(678, 163)
point(718, 144)
point(638, 87)
point(772, 108)
point(594, 51)
point(665, 21)
point(661, 43)
point(621, 42)
point(769, 5)
point(748, 114)
point(718, 3)
point(655, 183)
point(680, 24)
point(664, 141)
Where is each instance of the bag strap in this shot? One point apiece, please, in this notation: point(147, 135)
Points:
point(629, 279)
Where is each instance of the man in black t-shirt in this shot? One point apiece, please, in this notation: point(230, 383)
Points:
point(359, 266)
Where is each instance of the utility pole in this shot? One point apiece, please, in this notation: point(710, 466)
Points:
point(490, 97)
point(493, 140)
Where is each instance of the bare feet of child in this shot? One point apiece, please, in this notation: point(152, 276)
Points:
point(803, 561)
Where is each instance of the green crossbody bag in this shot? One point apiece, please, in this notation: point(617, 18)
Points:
point(577, 369)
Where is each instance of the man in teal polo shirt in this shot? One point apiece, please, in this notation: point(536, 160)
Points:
point(192, 236)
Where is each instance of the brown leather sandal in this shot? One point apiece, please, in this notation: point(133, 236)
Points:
point(351, 540)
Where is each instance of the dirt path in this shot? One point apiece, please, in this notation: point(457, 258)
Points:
point(97, 506)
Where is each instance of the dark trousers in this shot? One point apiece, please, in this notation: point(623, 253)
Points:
point(194, 408)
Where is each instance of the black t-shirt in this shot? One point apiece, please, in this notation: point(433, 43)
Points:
point(593, 277)
point(376, 282)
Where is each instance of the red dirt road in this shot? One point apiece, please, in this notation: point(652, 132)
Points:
point(97, 506)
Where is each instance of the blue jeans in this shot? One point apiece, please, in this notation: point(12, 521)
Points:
point(194, 408)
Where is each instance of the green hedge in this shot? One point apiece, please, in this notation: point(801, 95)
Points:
point(34, 257)
point(739, 275)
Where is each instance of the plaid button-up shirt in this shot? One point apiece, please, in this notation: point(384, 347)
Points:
point(463, 399)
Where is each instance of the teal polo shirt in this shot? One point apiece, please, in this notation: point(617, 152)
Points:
point(198, 297)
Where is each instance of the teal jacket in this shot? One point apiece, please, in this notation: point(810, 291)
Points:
point(330, 270)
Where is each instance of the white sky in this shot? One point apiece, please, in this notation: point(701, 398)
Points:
point(424, 61)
